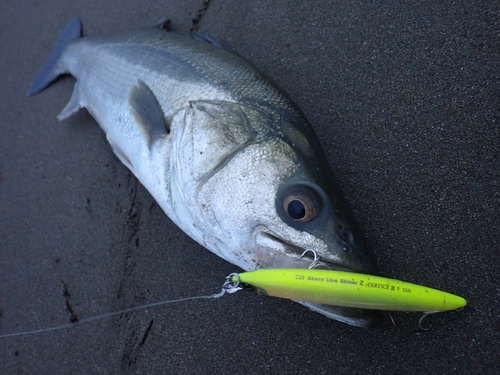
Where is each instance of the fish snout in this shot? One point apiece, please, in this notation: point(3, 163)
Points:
point(348, 250)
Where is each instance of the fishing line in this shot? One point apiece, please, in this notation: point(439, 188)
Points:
point(225, 289)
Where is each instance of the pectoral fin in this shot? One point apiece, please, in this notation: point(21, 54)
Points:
point(147, 112)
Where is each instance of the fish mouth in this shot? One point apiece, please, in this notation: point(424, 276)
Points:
point(297, 257)
point(274, 252)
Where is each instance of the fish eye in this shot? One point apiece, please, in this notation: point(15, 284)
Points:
point(300, 206)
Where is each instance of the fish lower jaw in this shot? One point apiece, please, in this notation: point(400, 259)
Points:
point(273, 252)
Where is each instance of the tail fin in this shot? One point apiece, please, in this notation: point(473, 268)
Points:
point(50, 70)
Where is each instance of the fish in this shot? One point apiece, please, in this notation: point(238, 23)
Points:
point(225, 153)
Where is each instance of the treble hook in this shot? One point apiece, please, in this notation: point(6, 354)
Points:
point(392, 319)
point(316, 258)
point(425, 315)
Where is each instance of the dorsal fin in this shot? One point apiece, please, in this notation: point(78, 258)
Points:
point(164, 24)
point(207, 39)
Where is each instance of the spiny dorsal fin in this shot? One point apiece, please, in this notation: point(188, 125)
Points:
point(164, 24)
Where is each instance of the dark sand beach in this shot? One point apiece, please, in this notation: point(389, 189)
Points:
point(405, 102)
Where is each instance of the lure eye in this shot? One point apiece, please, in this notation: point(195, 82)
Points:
point(300, 207)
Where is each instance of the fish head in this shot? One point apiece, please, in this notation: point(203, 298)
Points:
point(312, 227)
point(311, 224)
point(268, 199)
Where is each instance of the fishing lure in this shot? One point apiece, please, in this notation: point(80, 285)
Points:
point(328, 287)
point(348, 289)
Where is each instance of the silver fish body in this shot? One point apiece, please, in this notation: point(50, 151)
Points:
point(228, 157)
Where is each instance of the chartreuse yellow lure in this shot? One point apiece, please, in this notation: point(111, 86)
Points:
point(347, 289)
